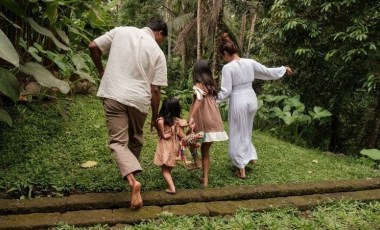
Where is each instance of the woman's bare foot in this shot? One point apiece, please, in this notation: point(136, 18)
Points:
point(252, 162)
point(136, 200)
point(170, 191)
point(241, 173)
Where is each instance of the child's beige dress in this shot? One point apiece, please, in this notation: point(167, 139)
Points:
point(208, 118)
point(167, 149)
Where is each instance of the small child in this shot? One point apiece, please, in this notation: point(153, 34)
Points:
point(204, 115)
point(170, 132)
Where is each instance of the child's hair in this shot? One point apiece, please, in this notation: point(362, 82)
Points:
point(227, 45)
point(170, 109)
point(202, 74)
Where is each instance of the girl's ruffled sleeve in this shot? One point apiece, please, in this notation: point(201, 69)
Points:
point(199, 93)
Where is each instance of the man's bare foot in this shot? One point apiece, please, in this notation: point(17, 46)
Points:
point(136, 200)
point(170, 191)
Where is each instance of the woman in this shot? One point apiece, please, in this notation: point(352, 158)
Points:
point(236, 85)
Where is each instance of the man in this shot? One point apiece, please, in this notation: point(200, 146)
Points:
point(130, 84)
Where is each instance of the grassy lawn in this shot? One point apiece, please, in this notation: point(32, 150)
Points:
point(42, 155)
point(345, 215)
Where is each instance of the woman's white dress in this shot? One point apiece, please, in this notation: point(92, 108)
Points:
point(236, 85)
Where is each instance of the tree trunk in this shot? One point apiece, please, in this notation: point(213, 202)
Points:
point(335, 139)
point(242, 30)
point(199, 30)
point(216, 55)
point(251, 31)
point(373, 124)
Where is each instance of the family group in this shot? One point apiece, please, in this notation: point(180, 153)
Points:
point(130, 85)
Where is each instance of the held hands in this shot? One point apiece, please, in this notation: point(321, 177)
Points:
point(191, 123)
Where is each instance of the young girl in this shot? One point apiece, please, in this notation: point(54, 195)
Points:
point(170, 131)
point(204, 115)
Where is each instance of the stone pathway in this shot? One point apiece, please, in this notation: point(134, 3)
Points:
point(109, 208)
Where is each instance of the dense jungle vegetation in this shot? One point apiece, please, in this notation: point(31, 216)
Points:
point(331, 103)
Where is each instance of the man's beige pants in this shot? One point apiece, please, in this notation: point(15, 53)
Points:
point(125, 134)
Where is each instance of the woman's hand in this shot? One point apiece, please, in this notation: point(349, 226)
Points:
point(289, 71)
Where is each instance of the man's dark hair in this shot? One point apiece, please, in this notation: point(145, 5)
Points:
point(157, 24)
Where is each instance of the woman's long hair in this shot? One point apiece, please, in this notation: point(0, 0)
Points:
point(170, 109)
point(202, 74)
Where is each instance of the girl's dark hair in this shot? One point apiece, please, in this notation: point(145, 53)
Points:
point(227, 45)
point(170, 109)
point(202, 74)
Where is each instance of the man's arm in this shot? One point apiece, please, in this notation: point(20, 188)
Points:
point(155, 103)
point(96, 56)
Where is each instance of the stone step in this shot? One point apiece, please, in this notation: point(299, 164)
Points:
point(93, 201)
point(113, 217)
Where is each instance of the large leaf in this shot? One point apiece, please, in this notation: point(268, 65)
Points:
point(47, 33)
point(319, 112)
point(9, 85)
point(295, 102)
point(76, 31)
point(371, 153)
point(7, 50)
point(84, 75)
point(13, 6)
point(63, 36)
point(52, 11)
point(44, 77)
point(4, 116)
point(10, 22)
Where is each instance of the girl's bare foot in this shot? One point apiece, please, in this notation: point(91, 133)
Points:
point(136, 200)
point(170, 191)
point(252, 162)
point(203, 182)
point(193, 166)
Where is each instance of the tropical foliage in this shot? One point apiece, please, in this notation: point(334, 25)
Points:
point(332, 46)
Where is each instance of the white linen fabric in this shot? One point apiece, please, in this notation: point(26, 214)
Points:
point(236, 85)
point(136, 62)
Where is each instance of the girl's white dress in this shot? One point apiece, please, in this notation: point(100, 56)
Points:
point(236, 85)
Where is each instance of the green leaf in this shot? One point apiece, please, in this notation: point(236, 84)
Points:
point(4, 116)
point(63, 36)
point(84, 75)
point(371, 153)
point(44, 77)
point(76, 31)
point(320, 113)
point(13, 6)
point(47, 33)
point(34, 52)
point(52, 11)
point(9, 85)
point(295, 102)
point(10, 22)
point(8, 51)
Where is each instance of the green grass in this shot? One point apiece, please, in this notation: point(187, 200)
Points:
point(344, 215)
point(42, 155)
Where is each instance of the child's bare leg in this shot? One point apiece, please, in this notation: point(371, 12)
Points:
point(197, 161)
point(136, 200)
point(205, 147)
point(167, 174)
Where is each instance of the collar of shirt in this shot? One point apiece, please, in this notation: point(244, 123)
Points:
point(148, 31)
